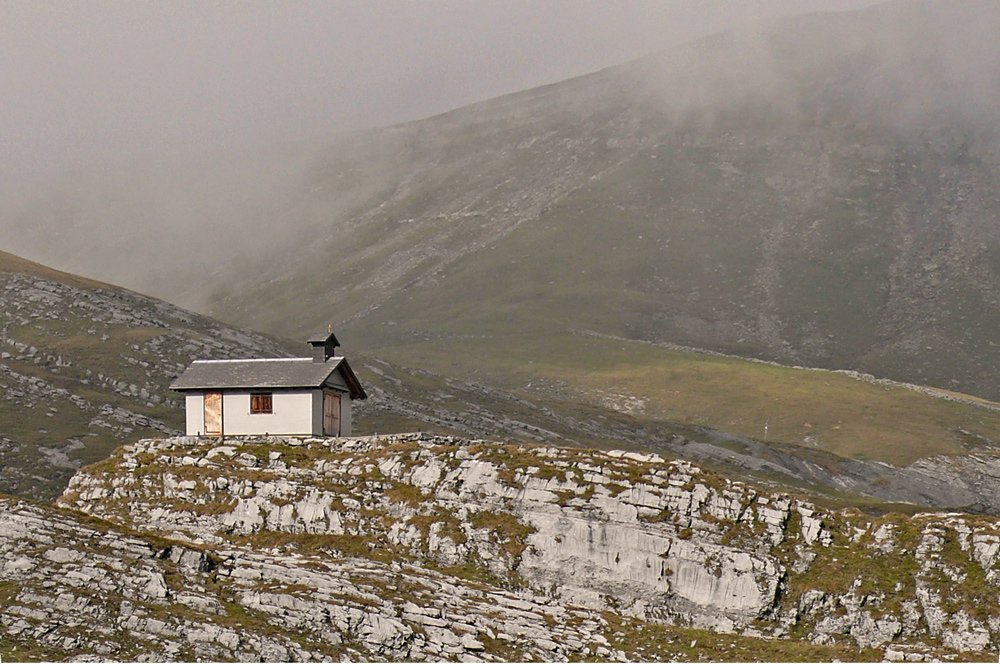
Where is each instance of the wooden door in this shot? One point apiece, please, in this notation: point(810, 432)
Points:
point(331, 414)
point(213, 413)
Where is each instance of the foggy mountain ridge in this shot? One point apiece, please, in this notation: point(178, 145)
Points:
point(820, 192)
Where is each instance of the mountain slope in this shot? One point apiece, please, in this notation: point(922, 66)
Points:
point(85, 366)
point(820, 192)
point(823, 193)
point(88, 365)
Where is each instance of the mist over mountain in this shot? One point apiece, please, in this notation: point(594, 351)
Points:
point(819, 192)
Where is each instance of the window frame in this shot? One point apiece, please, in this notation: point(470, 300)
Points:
point(262, 403)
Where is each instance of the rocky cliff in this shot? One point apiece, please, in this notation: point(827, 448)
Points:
point(75, 586)
point(415, 547)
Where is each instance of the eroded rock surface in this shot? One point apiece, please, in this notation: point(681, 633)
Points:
point(586, 534)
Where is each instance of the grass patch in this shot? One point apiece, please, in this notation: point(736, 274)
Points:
point(508, 531)
point(649, 642)
point(818, 410)
point(474, 572)
point(405, 493)
point(449, 525)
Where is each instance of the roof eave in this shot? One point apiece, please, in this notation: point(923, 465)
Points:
point(357, 392)
point(190, 388)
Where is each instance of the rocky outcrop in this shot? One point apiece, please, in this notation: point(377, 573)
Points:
point(609, 533)
point(966, 482)
point(570, 523)
point(72, 585)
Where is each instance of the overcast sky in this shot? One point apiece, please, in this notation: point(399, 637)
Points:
point(86, 83)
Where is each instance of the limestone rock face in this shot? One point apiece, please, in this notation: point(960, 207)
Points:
point(424, 547)
point(575, 524)
point(71, 585)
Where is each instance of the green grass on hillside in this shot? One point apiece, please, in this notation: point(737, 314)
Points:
point(812, 409)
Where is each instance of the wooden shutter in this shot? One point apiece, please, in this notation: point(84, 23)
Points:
point(260, 404)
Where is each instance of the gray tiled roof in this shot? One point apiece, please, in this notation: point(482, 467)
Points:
point(254, 374)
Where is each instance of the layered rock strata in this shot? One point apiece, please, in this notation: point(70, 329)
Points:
point(71, 586)
point(602, 533)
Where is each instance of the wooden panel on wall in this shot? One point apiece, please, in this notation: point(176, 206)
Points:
point(213, 413)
